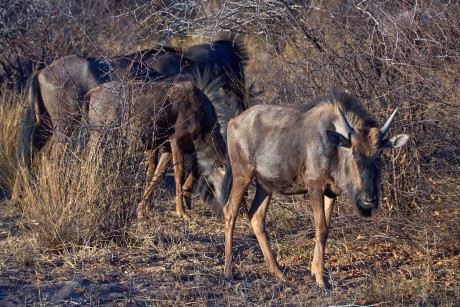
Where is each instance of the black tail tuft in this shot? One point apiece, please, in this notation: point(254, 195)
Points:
point(226, 184)
point(26, 137)
point(27, 142)
point(36, 124)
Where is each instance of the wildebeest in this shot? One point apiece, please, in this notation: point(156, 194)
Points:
point(224, 59)
point(56, 93)
point(155, 112)
point(327, 147)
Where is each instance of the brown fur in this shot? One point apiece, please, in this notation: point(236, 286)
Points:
point(157, 112)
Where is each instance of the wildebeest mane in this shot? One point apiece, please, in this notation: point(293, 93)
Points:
point(356, 114)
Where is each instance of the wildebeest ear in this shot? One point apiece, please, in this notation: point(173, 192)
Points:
point(395, 142)
point(337, 139)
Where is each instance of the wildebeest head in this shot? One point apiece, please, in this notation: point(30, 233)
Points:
point(360, 161)
point(210, 147)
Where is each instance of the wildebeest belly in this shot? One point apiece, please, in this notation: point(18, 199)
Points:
point(287, 182)
point(282, 187)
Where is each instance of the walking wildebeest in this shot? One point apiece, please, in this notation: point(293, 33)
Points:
point(324, 148)
point(56, 93)
point(155, 112)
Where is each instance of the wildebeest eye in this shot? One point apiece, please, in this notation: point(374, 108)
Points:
point(219, 165)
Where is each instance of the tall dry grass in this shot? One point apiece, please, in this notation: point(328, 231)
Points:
point(12, 108)
point(73, 201)
point(70, 199)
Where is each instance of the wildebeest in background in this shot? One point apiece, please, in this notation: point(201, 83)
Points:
point(324, 148)
point(56, 93)
point(153, 113)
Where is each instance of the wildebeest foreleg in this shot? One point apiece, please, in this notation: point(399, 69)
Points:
point(239, 187)
point(257, 215)
point(321, 232)
point(178, 162)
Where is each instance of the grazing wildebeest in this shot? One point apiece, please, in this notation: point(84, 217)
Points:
point(324, 148)
point(224, 59)
point(156, 112)
point(56, 93)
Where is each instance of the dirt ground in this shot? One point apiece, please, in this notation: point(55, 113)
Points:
point(395, 259)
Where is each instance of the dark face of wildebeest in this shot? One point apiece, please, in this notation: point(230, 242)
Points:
point(359, 161)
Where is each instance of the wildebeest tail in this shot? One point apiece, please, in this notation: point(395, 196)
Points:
point(34, 128)
point(237, 58)
point(239, 48)
point(226, 185)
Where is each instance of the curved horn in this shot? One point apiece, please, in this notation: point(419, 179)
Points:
point(348, 128)
point(386, 127)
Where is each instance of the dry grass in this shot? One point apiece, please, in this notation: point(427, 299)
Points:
point(11, 111)
point(74, 201)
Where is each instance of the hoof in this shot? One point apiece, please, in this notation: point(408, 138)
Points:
point(278, 273)
point(280, 276)
point(183, 215)
point(229, 274)
point(141, 210)
point(322, 281)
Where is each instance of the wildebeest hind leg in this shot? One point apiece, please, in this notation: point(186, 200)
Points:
point(328, 207)
point(257, 215)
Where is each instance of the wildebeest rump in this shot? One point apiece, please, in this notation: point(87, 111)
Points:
point(325, 148)
point(155, 112)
